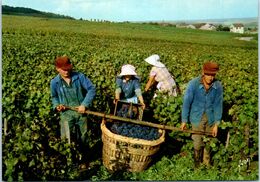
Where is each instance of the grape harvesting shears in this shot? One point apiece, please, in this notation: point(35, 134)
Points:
point(146, 123)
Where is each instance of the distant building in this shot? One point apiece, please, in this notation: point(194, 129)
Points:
point(208, 26)
point(191, 26)
point(181, 25)
point(237, 28)
point(198, 25)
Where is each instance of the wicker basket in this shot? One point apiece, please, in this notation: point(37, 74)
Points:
point(126, 153)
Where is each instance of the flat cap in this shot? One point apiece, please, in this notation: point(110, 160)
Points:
point(210, 68)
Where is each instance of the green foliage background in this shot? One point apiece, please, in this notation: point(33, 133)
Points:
point(32, 149)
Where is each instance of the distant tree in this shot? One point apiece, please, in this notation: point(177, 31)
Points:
point(222, 28)
point(30, 12)
point(219, 28)
point(226, 29)
point(153, 23)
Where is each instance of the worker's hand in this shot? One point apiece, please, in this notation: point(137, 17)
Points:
point(183, 126)
point(60, 108)
point(143, 105)
point(81, 109)
point(115, 101)
point(215, 131)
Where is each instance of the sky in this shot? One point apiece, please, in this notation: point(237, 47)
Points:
point(144, 10)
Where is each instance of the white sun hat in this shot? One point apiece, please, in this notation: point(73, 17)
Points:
point(155, 61)
point(128, 69)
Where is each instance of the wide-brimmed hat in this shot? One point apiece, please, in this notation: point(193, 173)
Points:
point(210, 68)
point(128, 69)
point(155, 61)
point(63, 62)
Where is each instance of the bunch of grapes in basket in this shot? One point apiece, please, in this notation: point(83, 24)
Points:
point(133, 130)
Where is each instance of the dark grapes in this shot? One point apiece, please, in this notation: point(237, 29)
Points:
point(133, 130)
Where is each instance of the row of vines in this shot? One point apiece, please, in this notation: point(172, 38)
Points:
point(31, 146)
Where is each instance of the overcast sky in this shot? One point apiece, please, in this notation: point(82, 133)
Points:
point(144, 10)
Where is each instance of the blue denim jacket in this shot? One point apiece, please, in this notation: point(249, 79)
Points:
point(84, 88)
point(197, 101)
point(130, 89)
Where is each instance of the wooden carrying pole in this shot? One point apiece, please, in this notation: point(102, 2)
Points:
point(146, 123)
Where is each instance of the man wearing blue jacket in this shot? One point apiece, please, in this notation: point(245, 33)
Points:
point(202, 106)
point(71, 89)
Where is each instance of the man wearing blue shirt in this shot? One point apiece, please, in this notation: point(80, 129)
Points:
point(71, 89)
point(202, 106)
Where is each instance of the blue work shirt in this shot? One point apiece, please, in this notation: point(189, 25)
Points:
point(82, 88)
point(198, 101)
point(128, 89)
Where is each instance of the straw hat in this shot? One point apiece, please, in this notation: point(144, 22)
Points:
point(128, 69)
point(155, 61)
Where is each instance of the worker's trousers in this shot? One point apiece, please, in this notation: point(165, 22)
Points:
point(73, 127)
point(198, 139)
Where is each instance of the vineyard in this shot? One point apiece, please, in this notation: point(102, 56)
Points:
point(31, 147)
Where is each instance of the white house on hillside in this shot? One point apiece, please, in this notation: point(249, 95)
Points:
point(208, 26)
point(191, 26)
point(237, 28)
